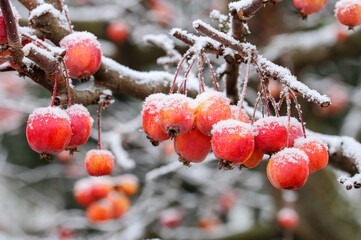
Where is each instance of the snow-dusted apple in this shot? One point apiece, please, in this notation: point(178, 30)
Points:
point(212, 107)
point(150, 115)
point(255, 158)
point(232, 142)
point(288, 169)
point(48, 130)
point(83, 55)
point(307, 7)
point(192, 146)
point(99, 162)
point(271, 133)
point(316, 151)
point(348, 12)
point(176, 114)
point(81, 124)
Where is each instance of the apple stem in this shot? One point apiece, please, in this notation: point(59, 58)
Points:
point(212, 72)
point(274, 105)
point(66, 16)
point(255, 107)
point(67, 82)
point(265, 95)
point(55, 85)
point(184, 83)
point(244, 87)
point(99, 126)
point(298, 107)
point(288, 101)
point(200, 75)
point(178, 68)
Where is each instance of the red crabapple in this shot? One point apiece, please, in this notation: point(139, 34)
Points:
point(254, 159)
point(119, 204)
point(271, 133)
point(150, 115)
point(288, 169)
point(287, 218)
point(176, 114)
point(83, 55)
point(127, 183)
point(212, 107)
point(100, 187)
point(232, 141)
point(99, 162)
point(82, 192)
point(48, 130)
point(99, 211)
point(192, 146)
point(118, 31)
point(236, 114)
point(81, 124)
point(170, 218)
point(348, 12)
point(308, 7)
point(316, 151)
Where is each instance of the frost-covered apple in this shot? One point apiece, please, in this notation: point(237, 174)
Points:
point(348, 12)
point(232, 141)
point(83, 55)
point(271, 133)
point(316, 151)
point(151, 118)
point(176, 114)
point(48, 130)
point(308, 7)
point(99, 162)
point(81, 124)
point(212, 107)
point(288, 169)
point(192, 146)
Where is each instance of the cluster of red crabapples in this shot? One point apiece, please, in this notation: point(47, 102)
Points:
point(51, 130)
point(210, 123)
point(105, 198)
point(348, 12)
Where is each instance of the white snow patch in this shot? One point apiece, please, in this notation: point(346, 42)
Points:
point(314, 139)
point(98, 152)
point(291, 155)
point(232, 126)
point(79, 38)
point(79, 110)
point(240, 5)
point(53, 112)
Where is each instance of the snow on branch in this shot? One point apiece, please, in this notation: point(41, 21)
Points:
point(267, 68)
point(345, 154)
point(246, 9)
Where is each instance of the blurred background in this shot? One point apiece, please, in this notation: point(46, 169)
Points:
point(168, 200)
